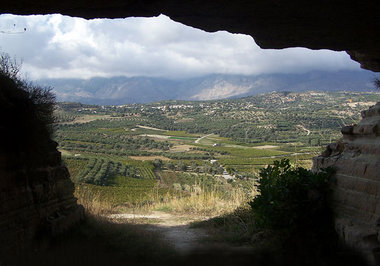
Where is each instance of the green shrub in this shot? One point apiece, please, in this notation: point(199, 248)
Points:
point(291, 198)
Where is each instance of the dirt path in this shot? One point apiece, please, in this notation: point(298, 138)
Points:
point(199, 139)
point(152, 128)
point(177, 232)
point(175, 229)
point(304, 128)
point(155, 136)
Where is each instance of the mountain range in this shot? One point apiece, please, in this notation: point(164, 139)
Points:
point(125, 90)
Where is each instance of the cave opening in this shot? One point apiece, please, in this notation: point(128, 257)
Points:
point(362, 132)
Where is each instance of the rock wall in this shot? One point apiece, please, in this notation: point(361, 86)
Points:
point(356, 196)
point(35, 203)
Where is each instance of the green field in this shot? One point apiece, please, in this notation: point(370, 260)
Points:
point(125, 155)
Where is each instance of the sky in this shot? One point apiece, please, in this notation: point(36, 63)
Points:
point(56, 46)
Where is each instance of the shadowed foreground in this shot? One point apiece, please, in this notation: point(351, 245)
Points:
point(100, 241)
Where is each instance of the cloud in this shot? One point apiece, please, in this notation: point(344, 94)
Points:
point(57, 46)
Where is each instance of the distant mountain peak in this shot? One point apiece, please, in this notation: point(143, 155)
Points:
point(123, 90)
point(221, 90)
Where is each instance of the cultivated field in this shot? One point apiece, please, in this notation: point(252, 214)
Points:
point(146, 155)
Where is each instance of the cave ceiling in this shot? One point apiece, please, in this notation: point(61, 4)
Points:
point(351, 26)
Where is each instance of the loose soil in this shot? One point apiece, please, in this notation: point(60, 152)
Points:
point(264, 147)
point(180, 148)
point(176, 231)
point(148, 158)
point(155, 136)
point(199, 139)
point(152, 128)
point(88, 118)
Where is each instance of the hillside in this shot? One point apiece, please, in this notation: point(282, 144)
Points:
point(173, 165)
point(296, 125)
point(123, 90)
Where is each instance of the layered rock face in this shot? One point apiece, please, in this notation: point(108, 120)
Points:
point(35, 203)
point(356, 196)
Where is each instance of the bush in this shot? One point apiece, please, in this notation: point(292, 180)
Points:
point(27, 115)
point(291, 198)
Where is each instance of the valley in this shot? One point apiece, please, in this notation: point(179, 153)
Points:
point(150, 155)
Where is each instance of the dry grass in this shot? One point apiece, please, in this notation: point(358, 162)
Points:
point(180, 148)
point(86, 118)
point(198, 201)
point(201, 202)
point(92, 202)
point(264, 147)
point(148, 158)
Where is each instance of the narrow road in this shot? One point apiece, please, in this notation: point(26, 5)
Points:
point(152, 128)
point(199, 139)
point(305, 129)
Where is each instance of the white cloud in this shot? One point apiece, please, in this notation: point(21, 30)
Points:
point(58, 46)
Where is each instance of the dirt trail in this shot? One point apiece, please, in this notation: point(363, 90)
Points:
point(176, 231)
point(152, 128)
point(304, 128)
point(199, 139)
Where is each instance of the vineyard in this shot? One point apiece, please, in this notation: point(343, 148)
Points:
point(103, 171)
point(116, 182)
point(187, 181)
point(139, 154)
point(254, 164)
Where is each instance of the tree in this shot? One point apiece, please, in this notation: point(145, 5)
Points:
point(131, 172)
point(291, 197)
point(193, 165)
point(230, 170)
point(157, 163)
point(170, 165)
point(181, 166)
point(207, 168)
point(27, 120)
point(9, 67)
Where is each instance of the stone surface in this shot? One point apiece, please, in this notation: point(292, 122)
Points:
point(35, 204)
point(351, 26)
point(356, 196)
